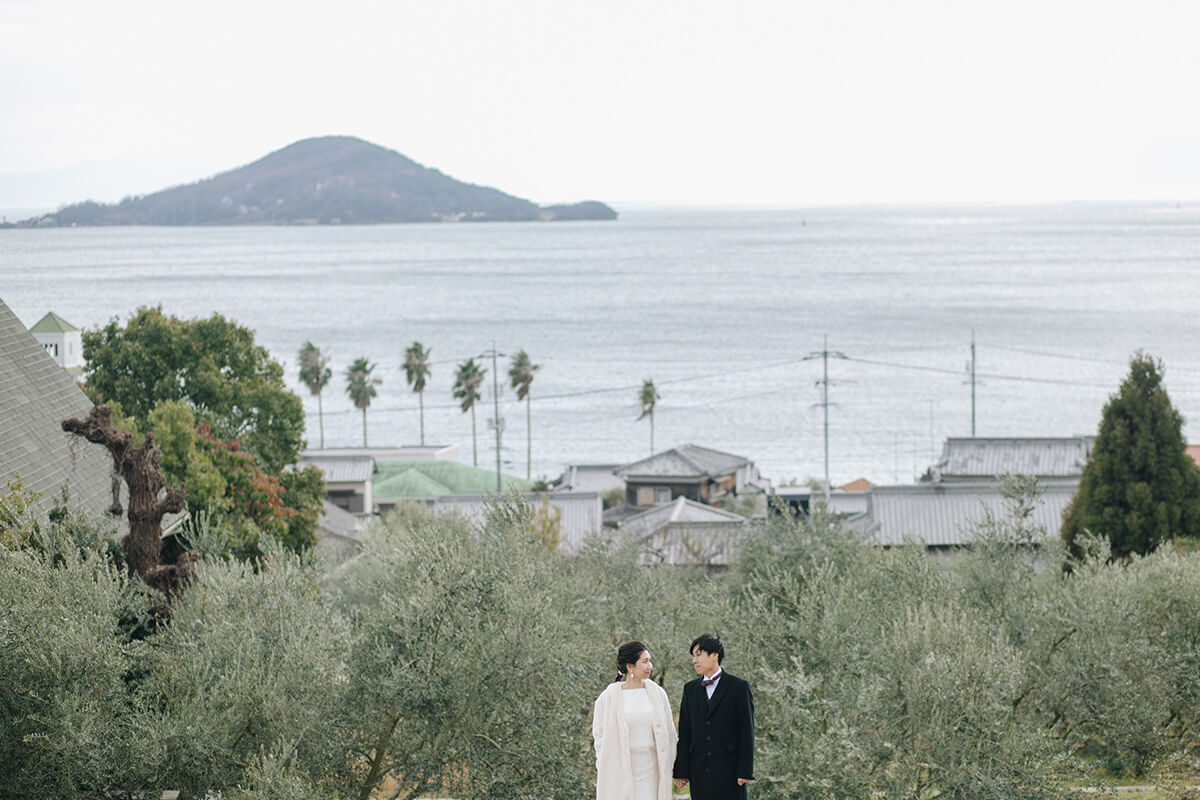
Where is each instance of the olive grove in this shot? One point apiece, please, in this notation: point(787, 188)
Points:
point(457, 660)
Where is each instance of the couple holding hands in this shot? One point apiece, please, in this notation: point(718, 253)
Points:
point(637, 750)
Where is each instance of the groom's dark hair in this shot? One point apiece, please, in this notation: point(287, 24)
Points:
point(709, 644)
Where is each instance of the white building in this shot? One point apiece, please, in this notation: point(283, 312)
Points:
point(62, 341)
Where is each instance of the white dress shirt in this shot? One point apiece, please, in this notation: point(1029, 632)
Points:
point(712, 687)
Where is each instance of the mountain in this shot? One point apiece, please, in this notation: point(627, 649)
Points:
point(325, 180)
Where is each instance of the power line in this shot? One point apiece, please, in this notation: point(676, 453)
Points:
point(991, 375)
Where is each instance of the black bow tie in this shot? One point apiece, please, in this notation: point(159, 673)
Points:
point(709, 681)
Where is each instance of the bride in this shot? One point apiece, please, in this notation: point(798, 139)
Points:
point(634, 732)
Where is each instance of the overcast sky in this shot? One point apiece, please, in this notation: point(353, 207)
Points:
point(753, 102)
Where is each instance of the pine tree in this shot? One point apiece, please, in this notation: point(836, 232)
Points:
point(1139, 487)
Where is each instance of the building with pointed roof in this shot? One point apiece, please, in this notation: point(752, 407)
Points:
point(700, 474)
point(36, 395)
point(983, 458)
point(942, 510)
point(62, 341)
point(685, 532)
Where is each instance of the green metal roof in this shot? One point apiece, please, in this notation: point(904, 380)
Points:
point(410, 483)
point(52, 323)
point(436, 478)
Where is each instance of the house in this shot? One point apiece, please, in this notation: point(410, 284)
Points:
point(598, 478)
point(700, 474)
point(979, 458)
point(62, 341)
point(36, 395)
point(578, 514)
point(398, 481)
point(941, 510)
point(943, 515)
point(338, 533)
point(684, 532)
point(797, 500)
point(350, 471)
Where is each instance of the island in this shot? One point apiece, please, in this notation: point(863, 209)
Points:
point(328, 180)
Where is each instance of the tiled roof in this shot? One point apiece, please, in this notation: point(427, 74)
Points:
point(680, 510)
point(1041, 456)
point(342, 469)
point(686, 460)
point(52, 323)
point(36, 395)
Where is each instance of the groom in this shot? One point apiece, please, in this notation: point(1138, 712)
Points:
point(716, 728)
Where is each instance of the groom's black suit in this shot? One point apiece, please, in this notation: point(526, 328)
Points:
point(716, 739)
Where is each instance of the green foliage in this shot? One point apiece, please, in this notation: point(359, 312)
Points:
point(1139, 487)
point(211, 364)
point(463, 684)
point(520, 373)
point(315, 374)
point(467, 380)
point(66, 659)
point(360, 387)
point(520, 377)
point(183, 462)
point(460, 659)
point(314, 368)
point(416, 372)
point(250, 666)
point(416, 366)
point(17, 523)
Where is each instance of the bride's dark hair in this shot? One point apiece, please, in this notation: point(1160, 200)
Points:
point(628, 655)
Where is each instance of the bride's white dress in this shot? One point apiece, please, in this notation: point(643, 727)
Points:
point(639, 716)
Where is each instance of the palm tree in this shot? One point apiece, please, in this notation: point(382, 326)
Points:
point(361, 387)
point(467, 381)
point(416, 372)
point(520, 376)
point(315, 374)
point(648, 397)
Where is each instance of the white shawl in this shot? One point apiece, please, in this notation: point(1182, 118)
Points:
point(614, 774)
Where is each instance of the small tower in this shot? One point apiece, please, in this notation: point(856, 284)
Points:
point(62, 341)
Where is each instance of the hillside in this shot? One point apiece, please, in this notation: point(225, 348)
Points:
point(326, 180)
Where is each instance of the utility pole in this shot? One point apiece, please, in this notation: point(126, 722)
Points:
point(971, 379)
point(496, 422)
point(824, 354)
point(972, 384)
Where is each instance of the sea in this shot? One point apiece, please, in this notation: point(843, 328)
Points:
point(815, 341)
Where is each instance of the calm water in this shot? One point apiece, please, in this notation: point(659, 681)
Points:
point(722, 308)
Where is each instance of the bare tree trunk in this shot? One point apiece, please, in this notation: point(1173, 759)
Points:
point(474, 443)
point(139, 467)
point(421, 402)
point(364, 426)
point(321, 419)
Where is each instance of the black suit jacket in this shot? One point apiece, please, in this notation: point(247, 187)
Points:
point(716, 739)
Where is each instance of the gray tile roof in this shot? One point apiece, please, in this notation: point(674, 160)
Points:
point(684, 461)
point(341, 469)
point(1044, 457)
point(686, 532)
point(680, 510)
point(36, 395)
